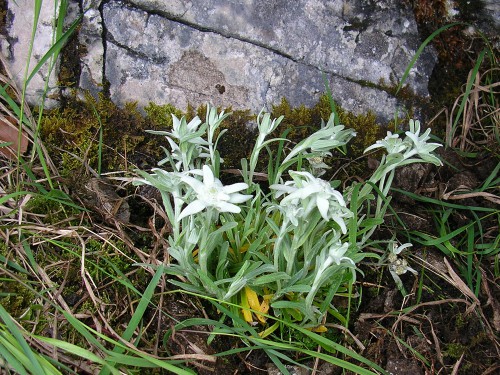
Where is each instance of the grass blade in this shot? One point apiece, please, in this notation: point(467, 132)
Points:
point(34, 365)
point(421, 49)
point(139, 312)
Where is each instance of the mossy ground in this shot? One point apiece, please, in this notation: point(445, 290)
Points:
point(109, 266)
point(72, 134)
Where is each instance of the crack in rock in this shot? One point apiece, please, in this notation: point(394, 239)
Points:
point(205, 29)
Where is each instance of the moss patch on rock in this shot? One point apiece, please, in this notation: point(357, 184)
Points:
point(72, 133)
point(303, 121)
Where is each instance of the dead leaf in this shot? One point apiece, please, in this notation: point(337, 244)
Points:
point(9, 133)
point(459, 283)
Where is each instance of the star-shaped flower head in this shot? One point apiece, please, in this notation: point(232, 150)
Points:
point(212, 194)
point(330, 136)
point(420, 145)
point(336, 253)
point(184, 131)
point(313, 192)
point(392, 143)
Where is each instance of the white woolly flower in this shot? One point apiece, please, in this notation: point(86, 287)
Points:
point(318, 191)
point(286, 188)
point(318, 166)
point(413, 144)
point(397, 265)
point(311, 192)
point(265, 125)
point(398, 249)
point(392, 143)
point(400, 266)
point(292, 212)
point(184, 131)
point(420, 145)
point(336, 253)
point(325, 139)
point(211, 193)
point(166, 182)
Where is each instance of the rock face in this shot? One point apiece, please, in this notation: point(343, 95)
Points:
point(248, 53)
point(14, 46)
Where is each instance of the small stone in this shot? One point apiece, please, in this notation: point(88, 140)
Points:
point(100, 196)
point(293, 370)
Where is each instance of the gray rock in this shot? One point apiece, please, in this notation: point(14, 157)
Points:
point(15, 47)
point(247, 54)
point(246, 58)
point(90, 38)
point(356, 40)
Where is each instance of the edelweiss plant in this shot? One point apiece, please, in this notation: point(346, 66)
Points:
point(287, 252)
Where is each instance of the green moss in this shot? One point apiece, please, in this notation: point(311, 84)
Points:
point(49, 209)
point(460, 321)
point(239, 140)
point(304, 121)
point(454, 350)
point(160, 116)
point(71, 128)
point(76, 126)
point(106, 261)
point(474, 344)
point(15, 296)
point(299, 122)
point(72, 135)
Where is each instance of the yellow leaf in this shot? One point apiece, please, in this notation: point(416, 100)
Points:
point(253, 298)
point(319, 329)
point(245, 309)
point(195, 255)
point(253, 302)
point(264, 306)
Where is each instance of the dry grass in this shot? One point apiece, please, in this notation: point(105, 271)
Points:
point(479, 125)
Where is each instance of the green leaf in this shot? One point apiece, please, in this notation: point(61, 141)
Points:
point(33, 364)
point(420, 50)
point(269, 279)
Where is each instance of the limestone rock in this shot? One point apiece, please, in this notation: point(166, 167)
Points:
point(16, 46)
point(90, 38)
point(359, 40)
point(245, 54)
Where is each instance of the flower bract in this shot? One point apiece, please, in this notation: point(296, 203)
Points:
point(211, 193)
